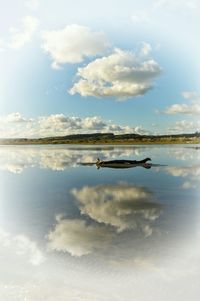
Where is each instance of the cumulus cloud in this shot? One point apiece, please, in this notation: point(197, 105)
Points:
point(19, 37)
point(59, 125)
point(59, 122)
point(183, 109)
point(186, 126)
point(72, 44)
point(191, 108)
point(192, 95)
point(77, 237)
point(14, 117)
point(94, 122)
point(122, 206)
point(73, 123)
point(122, 74)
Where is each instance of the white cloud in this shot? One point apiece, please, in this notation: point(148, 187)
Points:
point(184, 126)
point(78, 238)
point(94, 122)
point(183, 109)
point(14, 117)
point(59, 125)
point(192, 108)
point(191, 95)
point(122, 74)
point(122, 206)
point(145, 49)
point(59, 122)
point(20, 37)
point(72, 44)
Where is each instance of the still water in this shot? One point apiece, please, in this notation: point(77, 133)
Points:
point(70, 231)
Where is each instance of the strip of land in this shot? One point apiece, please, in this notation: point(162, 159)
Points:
point(108, 138)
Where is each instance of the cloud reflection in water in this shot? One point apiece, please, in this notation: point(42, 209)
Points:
point(119, 244)
point(16, 159)
point(111, 209)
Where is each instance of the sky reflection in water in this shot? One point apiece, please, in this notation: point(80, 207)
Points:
point(73, 231)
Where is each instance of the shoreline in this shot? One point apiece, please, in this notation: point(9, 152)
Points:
point(108, 142)
point(106, 139)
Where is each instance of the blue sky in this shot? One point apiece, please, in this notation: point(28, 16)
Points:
point(92, 66)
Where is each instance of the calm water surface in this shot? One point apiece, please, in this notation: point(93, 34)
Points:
point(70, 231)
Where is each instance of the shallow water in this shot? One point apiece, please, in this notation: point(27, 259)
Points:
point(70, 231)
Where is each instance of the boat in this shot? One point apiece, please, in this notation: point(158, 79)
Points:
point(123, 163)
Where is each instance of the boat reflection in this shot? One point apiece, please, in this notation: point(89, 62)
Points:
point(122, 164)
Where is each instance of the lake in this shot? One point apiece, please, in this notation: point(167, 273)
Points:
point(70, 231)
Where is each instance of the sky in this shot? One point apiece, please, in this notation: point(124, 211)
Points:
point(99, 66)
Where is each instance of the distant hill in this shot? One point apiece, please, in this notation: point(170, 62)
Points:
point(107, 138)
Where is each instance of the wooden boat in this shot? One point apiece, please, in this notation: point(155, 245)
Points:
point(123, 163)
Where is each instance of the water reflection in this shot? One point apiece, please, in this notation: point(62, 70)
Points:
point(70, 232)
point(190, 174)
point(112, 209)
point(21, 247)
point(122, 206)
point(191, 153)
point(16, 159)
point(77, 237)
